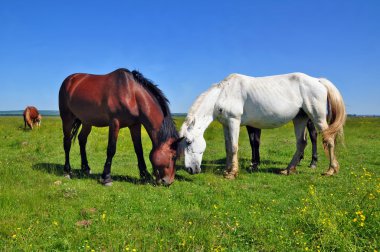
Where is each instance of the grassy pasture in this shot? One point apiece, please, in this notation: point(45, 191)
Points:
point(264, 211)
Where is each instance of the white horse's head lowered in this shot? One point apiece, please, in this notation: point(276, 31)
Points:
point(194, 146)
point(200, 115)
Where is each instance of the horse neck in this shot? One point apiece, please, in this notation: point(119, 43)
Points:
point(159, 127)
point(201, 113)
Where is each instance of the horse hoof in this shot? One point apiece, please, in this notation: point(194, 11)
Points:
point(67, 175)
point(230, 175)
point(253, 168)
point(105, 182)
point(85, 169)
point(147, 178)
point(288, 171)
point(313, 166)
point(86, 172)
point(108, 184)
point(329, 172)
point(284, 172)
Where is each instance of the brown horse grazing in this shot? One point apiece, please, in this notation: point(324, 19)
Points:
point(254, 140)
point(31, 117)
point(119, 99)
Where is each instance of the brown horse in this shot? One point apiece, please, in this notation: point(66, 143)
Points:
point(31, 117)
point(119, 99)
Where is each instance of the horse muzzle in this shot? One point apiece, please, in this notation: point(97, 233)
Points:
point(164, 181)
point(192, 170)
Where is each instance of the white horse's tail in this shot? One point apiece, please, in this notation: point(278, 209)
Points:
point(336, 112)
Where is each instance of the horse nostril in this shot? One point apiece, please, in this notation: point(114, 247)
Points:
point(190, 170)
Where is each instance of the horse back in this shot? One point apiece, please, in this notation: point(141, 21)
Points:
point(266, 102)
point(31, 112)
point(96, 99)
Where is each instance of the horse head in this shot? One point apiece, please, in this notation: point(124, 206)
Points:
point(193, 145)
point(163, 159)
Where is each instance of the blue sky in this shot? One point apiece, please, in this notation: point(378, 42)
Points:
point(185, 46)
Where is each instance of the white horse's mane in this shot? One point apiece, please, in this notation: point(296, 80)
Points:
point(194, 110)
point(198, 102)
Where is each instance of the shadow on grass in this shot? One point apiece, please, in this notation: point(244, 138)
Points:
point(57, 169)
point(218, 166)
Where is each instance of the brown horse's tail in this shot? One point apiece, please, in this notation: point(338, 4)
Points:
point(336, 112)
point(74, 130)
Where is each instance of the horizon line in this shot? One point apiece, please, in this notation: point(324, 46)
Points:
point(52, 112)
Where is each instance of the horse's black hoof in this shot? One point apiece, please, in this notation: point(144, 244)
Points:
point(147, 179)
point(85, 169)
point(86, 172)
point(106, 182)
point(313, 166)
point(253, 168)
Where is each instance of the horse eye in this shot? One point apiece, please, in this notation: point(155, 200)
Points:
point(188, 142)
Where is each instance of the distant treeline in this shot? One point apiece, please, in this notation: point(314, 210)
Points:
point(53, 113)
point(19, 113)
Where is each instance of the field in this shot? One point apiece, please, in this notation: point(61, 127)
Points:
point(263, 211)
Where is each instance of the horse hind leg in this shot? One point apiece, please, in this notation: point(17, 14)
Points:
point(313, 138)
point(67, 125)
point(114, 128)
point(299, 128)
point(82, 137)
point(254, 135)
point(329, 144)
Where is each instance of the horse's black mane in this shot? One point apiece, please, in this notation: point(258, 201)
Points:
point(168, 129)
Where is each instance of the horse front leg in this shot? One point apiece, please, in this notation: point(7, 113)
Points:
point(254, 135)
point(82, 137)
point(111, 150)
point(231, 136)
point(136, 139)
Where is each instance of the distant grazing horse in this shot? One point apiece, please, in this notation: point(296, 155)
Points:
point(119, 99)
point(254, 140)
point(265, 102)
point(31, 117)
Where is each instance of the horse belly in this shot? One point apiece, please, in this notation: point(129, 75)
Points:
point(260, 115)
point(98, 119)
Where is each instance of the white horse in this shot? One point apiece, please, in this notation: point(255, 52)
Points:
point(264, 102)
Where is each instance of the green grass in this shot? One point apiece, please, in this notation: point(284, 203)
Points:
point(41, 210)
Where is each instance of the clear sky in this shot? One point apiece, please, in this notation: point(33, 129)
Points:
point(185, 46)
